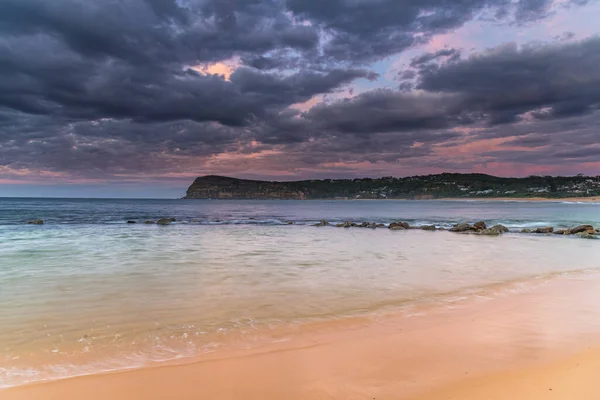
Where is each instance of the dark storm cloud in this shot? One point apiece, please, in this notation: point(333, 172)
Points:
point(385, 111)
point(112, 86)
point(550, 81)
point(362, 30)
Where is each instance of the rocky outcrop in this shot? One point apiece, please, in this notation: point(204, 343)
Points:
point(545, 229)
point(500, 228)
point(220, 187)
point(479, 228)
point(36, 222)
point(462, 228)
point(165, 221)
point(346, 224)
point(399, 226)
point(427, 227)
point(582, 228)
point(132, 222)
point(480, 225)
point(493, 231)
point(322, 223)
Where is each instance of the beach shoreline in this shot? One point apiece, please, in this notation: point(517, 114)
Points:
point(508, 345)
point(591, 199)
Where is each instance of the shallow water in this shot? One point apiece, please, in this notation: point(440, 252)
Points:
point(87, 292)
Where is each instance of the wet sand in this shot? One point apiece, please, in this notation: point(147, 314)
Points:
point(573, 378)
point(518, 345)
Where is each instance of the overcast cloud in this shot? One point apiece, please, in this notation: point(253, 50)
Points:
point(143, 90)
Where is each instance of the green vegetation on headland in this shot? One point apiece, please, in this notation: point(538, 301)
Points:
point(447, 185)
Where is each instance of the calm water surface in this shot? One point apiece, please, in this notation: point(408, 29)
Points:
point(87, 292)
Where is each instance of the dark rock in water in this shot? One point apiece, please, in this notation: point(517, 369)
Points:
point(322, 223)
point(381, 225)
point(132, 222)
point(546, 229)
point(398, 226)
point(346, 224)
point(462, 228)
point(586, 235)
point(582, 228)
point(148, 222)
point(428, 227)
point(290, 222)
point(165, 221)
point(561, 232)
point(500, 228)
point(36, 222)
point(364, 225)
point(494, 230)
point(373, 225)
point(480, 225)
point(526, 230)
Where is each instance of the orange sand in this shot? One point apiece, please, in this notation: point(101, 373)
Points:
point(513, 347)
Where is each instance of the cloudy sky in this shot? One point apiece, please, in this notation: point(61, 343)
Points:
point(131, 98)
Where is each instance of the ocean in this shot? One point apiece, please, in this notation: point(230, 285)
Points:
point(87, 292)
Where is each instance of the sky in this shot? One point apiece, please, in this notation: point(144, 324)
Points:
point(136, 98)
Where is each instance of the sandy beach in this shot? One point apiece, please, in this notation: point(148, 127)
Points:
point(592, 199)
point(537, 344)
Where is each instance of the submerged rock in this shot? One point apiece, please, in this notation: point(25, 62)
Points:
point(165, 221)
point(322, 223)
point(148, 222)
point(582, 228)
point(132, 222)
point(545, 229)
point(36, 222)
point(480, 225)
point(462, 228)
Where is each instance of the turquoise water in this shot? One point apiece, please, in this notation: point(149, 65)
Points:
point(87, 292)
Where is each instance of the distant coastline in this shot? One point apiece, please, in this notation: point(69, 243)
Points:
point(427, 187)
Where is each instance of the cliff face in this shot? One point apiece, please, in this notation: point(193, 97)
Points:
point(416, 187)
point(219, 187)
